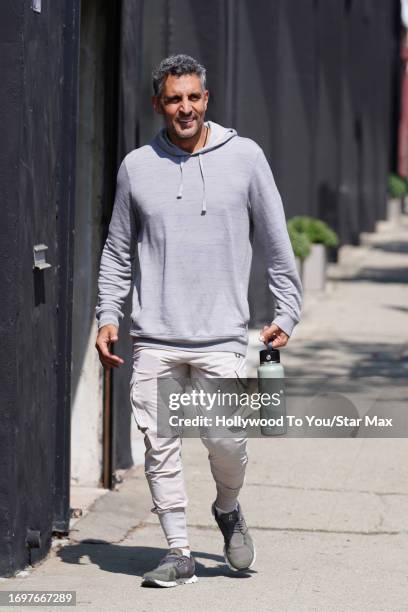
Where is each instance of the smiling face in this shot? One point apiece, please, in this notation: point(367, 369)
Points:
point(182, 103)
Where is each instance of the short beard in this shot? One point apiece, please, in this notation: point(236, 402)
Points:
point(198, 131)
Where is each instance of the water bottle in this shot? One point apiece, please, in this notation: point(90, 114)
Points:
point(271, 381)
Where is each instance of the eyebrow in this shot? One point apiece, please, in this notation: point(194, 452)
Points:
point(193, 93)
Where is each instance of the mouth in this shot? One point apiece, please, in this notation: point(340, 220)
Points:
point(186, 123)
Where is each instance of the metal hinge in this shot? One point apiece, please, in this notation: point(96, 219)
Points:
point(36, 6)
point(39, 257)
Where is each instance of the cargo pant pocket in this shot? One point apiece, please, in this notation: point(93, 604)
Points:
point(139, 413)
point(241, 370)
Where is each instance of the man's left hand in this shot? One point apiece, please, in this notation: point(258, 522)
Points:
point(275, 335)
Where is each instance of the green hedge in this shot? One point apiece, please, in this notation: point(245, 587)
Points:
point(315, 230)
point(300, 243)
point(397, 186)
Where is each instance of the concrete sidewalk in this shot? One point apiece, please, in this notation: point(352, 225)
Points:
point(329, 516)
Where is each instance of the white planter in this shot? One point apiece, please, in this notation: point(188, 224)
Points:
point(405, 205)
point(394, 210)
point(314, 269)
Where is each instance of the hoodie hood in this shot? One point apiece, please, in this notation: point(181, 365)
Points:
point(219, 135)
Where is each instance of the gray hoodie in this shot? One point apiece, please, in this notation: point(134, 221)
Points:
point(183, 226)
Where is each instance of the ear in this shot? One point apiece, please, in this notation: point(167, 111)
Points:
point(157, 105)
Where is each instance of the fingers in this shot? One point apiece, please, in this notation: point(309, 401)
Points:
point(274, 335)
point(280, 341)
point(268, 332)
point(109, 360)
point(108, 335)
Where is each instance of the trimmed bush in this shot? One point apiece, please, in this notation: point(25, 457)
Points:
point(316, 230)
point(397, 186)
point(300, 243)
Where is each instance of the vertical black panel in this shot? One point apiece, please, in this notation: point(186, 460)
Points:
point(10, 97)
point(154, 46)
point(362, 77)
point(325, 203)
point(130, 115)
point(350, 133)
point(390, 39)
point(368, 118)
point(65, 207)
point(386, 103)
point(381, 105)
point(298, 104)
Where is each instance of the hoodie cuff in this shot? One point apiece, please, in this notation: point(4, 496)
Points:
point(285, 322)
point(108, 318)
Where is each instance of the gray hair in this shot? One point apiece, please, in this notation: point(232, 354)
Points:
point(176, 65)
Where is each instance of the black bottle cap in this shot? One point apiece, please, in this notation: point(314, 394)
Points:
point(269, 355)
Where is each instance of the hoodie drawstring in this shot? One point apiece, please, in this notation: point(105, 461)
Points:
point(219, 136)
point(204, 203)
point(180, 191)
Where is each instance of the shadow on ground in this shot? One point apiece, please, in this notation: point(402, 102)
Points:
point(136, 560)
point(382, 275)
point(365, 359)
point(397, 246)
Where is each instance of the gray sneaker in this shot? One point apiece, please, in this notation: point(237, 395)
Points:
point(239, 549)
point(174, 569)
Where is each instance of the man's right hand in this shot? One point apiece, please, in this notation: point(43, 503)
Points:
point(106, 335)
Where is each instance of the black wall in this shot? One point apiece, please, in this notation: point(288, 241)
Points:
point(37, 115)
point(10, 26)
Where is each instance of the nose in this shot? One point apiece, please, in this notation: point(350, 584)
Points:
point(185, 107)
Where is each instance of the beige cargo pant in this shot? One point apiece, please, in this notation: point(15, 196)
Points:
point(163, 468)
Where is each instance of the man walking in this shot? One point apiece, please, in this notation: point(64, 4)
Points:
point(187, 209)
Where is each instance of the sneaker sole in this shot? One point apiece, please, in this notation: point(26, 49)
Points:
point(237, 569)
point(173, 583)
